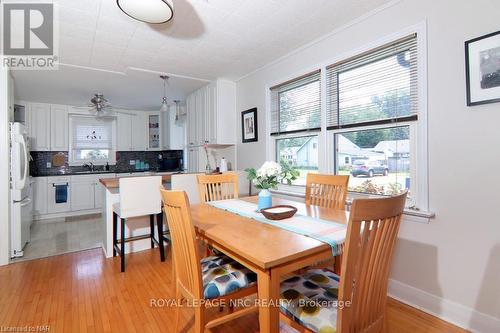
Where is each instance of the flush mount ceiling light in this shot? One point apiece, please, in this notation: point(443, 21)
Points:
point(149, 11)
point(164, 104)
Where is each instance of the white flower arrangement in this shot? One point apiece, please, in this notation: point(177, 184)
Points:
point(270, 174)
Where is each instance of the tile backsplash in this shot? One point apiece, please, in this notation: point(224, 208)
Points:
point(38, 165)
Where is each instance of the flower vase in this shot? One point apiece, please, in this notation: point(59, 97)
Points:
point(265, 199)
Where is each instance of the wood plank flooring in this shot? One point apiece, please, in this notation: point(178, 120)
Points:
point(85, 292)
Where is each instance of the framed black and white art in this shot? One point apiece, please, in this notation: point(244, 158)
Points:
point(482, 62)
point(249, 130)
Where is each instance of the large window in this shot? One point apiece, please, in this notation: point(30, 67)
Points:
point(91, 140)
point(296, 112)
point(371, 107)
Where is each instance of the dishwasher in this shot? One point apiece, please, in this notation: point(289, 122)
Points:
point(58, 195)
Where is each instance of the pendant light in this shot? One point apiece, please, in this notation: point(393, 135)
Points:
point(164, 104)
point(148, 11)
point(177, 111)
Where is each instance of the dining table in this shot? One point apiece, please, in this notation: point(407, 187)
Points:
point(269, 251)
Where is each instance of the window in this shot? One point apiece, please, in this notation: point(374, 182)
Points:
point(296, 112)
point(372, 107)
point(91, 140)
point(372, 121)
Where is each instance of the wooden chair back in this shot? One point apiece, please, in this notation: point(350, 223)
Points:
point(326, 190)
point(184, 245)
point(218, 187)
point(371, 235)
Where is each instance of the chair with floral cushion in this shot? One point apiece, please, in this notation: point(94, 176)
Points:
point(213, 278)
point(354, 302)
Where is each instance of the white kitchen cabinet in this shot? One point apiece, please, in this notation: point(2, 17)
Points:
point(39, 188)
point(82, 192)
point(191, 119)
point(39, 126)
point(154, 128)
point(124, 132)
point(59, 128)
point(99, 193)
point(212, 114)
point(174, 137)
point(194, 159)
point(138, 132)
point(131, 132)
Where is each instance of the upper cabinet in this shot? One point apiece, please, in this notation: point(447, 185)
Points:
point(154, 127)
point(211, 113)
point(59, 128)
point(131, 131)
point(48, 127)
point(39, 126)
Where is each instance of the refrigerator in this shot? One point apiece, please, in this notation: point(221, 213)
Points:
point(21, 194)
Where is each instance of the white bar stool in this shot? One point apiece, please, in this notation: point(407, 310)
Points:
point(139, 196)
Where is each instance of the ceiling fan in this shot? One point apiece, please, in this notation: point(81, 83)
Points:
point(100, 107)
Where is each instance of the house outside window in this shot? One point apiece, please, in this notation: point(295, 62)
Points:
point(92, 140)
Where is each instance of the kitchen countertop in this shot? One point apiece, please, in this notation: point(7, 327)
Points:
point(111, 183)
point(97, 172)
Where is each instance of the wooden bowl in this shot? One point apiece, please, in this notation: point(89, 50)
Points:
point(285, 214)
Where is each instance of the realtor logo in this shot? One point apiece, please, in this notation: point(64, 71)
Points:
point(29, 35)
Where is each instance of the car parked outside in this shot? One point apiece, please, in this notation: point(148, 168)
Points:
point(369, 168)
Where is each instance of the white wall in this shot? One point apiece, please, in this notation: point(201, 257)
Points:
point(451, 267)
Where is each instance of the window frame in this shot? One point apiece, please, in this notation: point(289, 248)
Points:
point(326, 147)
point(73, 153)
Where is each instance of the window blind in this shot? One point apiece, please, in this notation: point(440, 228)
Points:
point(296, 105)
point(376, 87)
point(91, 133)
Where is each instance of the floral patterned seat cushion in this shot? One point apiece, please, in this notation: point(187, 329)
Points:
point(311, 299)
point(222, 276)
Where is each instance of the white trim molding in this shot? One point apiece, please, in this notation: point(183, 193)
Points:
point(444, 309)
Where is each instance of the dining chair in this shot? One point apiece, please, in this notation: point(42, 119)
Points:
point(139, 196)
point(328, 191)
point(218, 187)
point(355, 301)
point(216, 278)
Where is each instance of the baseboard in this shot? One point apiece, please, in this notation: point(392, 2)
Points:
point(449, 311)
point(60, 217)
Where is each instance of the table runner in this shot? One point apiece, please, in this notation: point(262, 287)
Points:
point(329, 232)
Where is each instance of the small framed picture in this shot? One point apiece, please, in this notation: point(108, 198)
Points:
point(482, 62)
point(249, 123)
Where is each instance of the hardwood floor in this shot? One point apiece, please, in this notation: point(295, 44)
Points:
point(85, 292)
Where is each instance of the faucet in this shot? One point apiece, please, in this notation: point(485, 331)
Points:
point(89, 165)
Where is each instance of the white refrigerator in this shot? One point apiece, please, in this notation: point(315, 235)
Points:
point(21, 197)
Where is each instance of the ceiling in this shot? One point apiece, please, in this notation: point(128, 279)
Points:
point(205, 40)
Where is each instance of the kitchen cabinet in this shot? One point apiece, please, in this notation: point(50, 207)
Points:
point(131, 132)
point(154, 128)
point(82, 192)
point(39, 126)
point(99, 190)
point(174, 137)
point(138, 131)
point(193, 157)
point(123, 132)
point(59, 128)
point(212, 114)
point(39, 188)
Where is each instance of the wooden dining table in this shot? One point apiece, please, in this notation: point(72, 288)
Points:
point(269, 251)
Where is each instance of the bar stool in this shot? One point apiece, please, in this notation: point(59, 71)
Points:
point(139, 196)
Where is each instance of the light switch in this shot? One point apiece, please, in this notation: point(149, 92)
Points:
point(132, 162)
point(49, 165)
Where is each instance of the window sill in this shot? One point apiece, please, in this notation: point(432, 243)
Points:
point(410, 215)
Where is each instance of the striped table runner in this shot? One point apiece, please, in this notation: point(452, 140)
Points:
point(328, 232)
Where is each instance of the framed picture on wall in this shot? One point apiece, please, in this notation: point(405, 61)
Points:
point(482, 62)
point(249, 132)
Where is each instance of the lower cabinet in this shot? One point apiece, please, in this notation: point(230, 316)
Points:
point(83, 192)
point(39, 195)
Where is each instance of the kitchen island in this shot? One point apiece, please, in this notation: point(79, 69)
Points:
point(135, 226)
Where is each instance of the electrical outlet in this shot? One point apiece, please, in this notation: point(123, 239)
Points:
point(49, 165)
point(132, 162)
point(160, 156)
